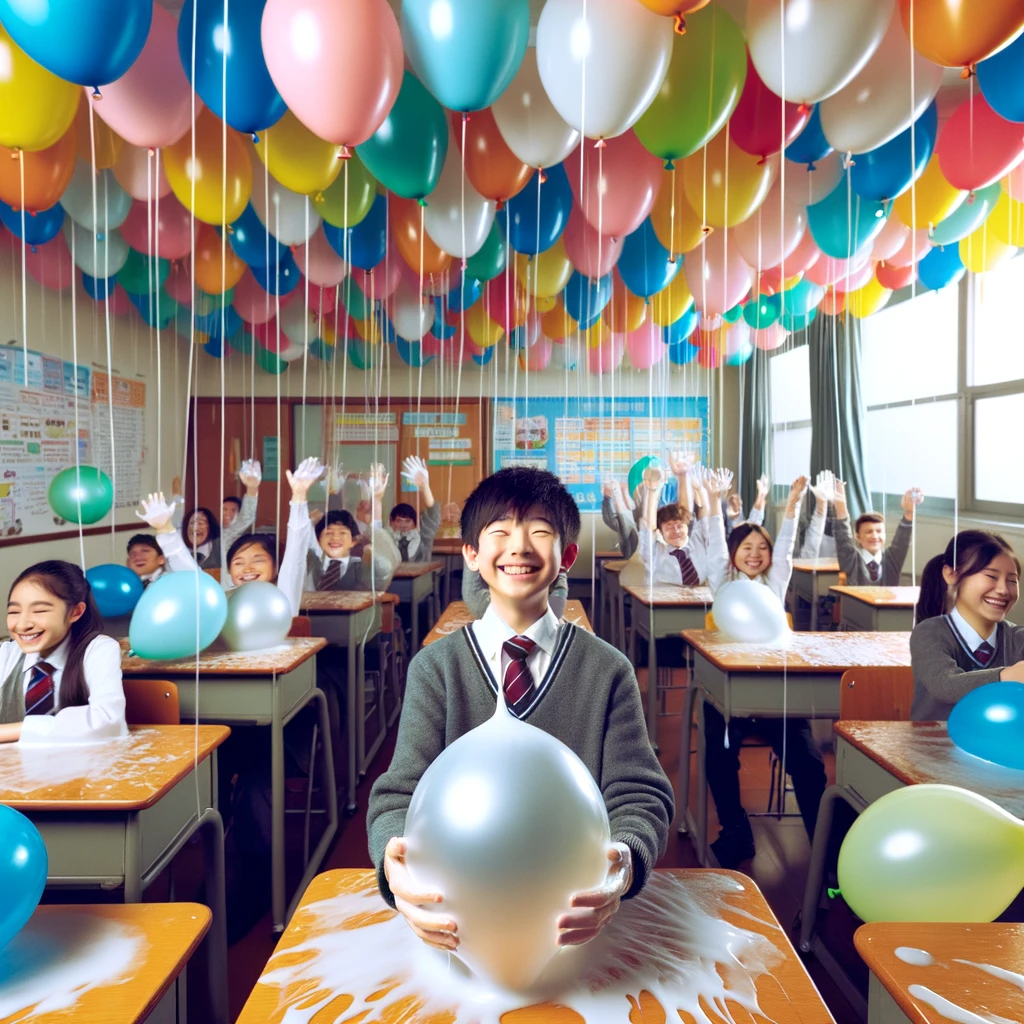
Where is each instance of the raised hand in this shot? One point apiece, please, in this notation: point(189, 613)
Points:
point(251, 475)
point(725, 478)
point(734, 506)
point(654, 478)
point(763, 486)
point(796, 495)
point(335, 479)
point(712, 485)
point(308, 472)
point(156, 512)
point(414, 469)
point(681, 463)
point(840, 500)
point(177, 494)
point(378, 481)
point(910, 501)
point(627, 498)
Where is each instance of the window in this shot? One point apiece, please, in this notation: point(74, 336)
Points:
point(997, 476)
point(997, 354)
point(791, 413)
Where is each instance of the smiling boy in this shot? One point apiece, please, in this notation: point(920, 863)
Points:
point(520, 528)
point(145, 558)
point(863, 556)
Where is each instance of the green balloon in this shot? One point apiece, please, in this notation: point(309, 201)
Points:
point(203, 303)
point(241, 341)
point(362, 189)
point(362, 354)
point(797, 321)
point(159, 310)
point(270, 361)
point(406, 153)
point(81, 494)
point(489, 262)
point(701, 89)
point(141, 274)
point(732, 315)
point(358, 305)
point(762, 312)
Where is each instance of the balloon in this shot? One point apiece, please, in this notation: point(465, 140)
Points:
point(645, 347)
point(914, 247)
point(296, 158)
point(825, 43)
point(136, 172)
point(623, 57)
point(280, 278)
point(229, 62)
point(170, 232)
point(539, 356)
point(495, 171)
point(270, 362)
point(99, 288)
point(23, 870)
point(856, 276)
point(999, 81)
point(215, 265)
point(365, 244)
point(585, 298)
point(802, 297)
point(251, 241)
point(701, 89)
point(253, 304)
point(481, 328)
point(749, 612)
point(810, 145)
point(725, 183)
point(504, 305)
point(717, 274)
point(98, 210)
point(50, 264)
point(953, 35)
point(761, 124)
point(320, 263)
point(179, 615)
point(675, 334)
point(868, 299)
point(529, 233)
point(46, 175)
point(489, 262)
point(317, 55)
point(626, 311)
point(678, 226)
point(987, 723)
point(890, 239)
point(827, 271)
point(407, 152)
point(982, 250)
point(774, 230)
point(967, 216)
point(768, 338)
point(141, 274)
point(528, 121)
point(289, 217)
point(413, 244)
point(793, 322)
point(382, 281)
point(556, 323)
point(645, 265)
point(39, 228)
point(895, 278)
point(977, 147)
point(412, 314)
point(592, 254)
point(466, 52)
point(157, 310)
point(617, 186)
point(544, 276)
point(930, 201)
point(81, 494)
point(932, 853)
point(207, 171)
point(97, 258)
point(345, 209)
point(671, 303)
point(763, 311)
point(942, 266)
point(607, 356)
point(889, 170)
point(842, 224)
point(412, 353)
point(151, 103)
point(116, 588)
point(807, 185)
point(457, 217)
point(1007, 221)
point(94, 141)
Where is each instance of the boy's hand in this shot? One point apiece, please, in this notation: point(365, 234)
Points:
point(763, 487)
point(1013, 673)
point(308, 472)
point(654, 478)
point(840, 500)
point(378, 482)
point(796, 495)
point(251, 475)
point(681, 463)
point(824, 491)
point(910, 501)
point(713, 488)
point(609, 489)
point(734, 506)
point(335, 479)
point(414, 469)
point(591, 911)
point(157, 513)
point(725, 479)
point(438, 930)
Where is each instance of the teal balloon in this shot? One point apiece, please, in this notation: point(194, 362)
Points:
point(270, 361)
point(797, 321)
point(412, 353)
point(142, 274)
point(763, 312)
point(682, 353)
point(116, 589)
point(319, 349)
point(489, 262)
point(730, 316)
point(157, 310)
point(23, 869)
point(406, 153)
point(739, 357)
point(205, 304)
point(989, 723)
point(179, 615)
point(842, 225)
point(968, 216)
point(466, 51)
point(802, 297)
point(636, 471)
point(81, 494)
point(241, 341)
point(358, 305)
point(941, 267)
point(361, 354)
point(682, 328)
point(645, 265)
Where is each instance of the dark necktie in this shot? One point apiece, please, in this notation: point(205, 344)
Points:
point(332, 575)
point(403, 548)
point(39, 695)
point(691, 577)
point(984, 653)
point(874, 571)
point(518, 677)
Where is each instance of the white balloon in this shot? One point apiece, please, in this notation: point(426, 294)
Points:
point(259, 616)
point(95, 256)
point(112, 202)
point(411, 315)
point(804, 186)
point(563, 357)
point(529, 122)
point(874, 106)
point(292, 353)
point(458, 222)
point(507, 823)
point(298, 324)
point(286, 215)
point(826, 42)
point(750, 612)
point(772, 231)
point(619, 47)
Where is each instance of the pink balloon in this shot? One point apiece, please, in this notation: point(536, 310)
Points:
point(592, 255)
point(1015, 186)
point(252, 303)
point(645, 346)
point(382, 281)
point(322, 301)
point(117, 302)
point(338, 66)
point(50, 264)
point(620, 183)
point(430, 345)
point(856, 278)
point(717, 275)
point(890, 239)
point(915, 247)
point(538, 355)
point(179, 285)
point(151, 103)
point(136, 173)
point(895, 278)
point(805, 255)
point(827, 271)
point(319, 262)
point(977, 147)
point(170, 235)
point(608, 355)
point(756, 124)
point(772, 231)
point(769, 338)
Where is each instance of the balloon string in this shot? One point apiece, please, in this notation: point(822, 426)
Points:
point(225, 577)
point(77, 386)
point(305, 299)
point(24, 285)
point(672, 220)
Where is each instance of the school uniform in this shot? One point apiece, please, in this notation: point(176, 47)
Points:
point(864, 569)
point(476, 595)
point(688, 565)
point(210, 554)
point(624, 525)
point(30, 694)
point(417, 545)
point(151, 577)
point(817, 543)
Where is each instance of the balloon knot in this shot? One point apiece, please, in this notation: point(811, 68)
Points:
point(672, 259)
point(971, 196)
point(811, 167)
point(100, 237)
point(15, 154)
point(465, 263)
point(32, 249)
point(706, 230)
point(150, 151)
point(669, 166)
point(542, 175)
point(803, 109)
point(255, 139)
point(848, 161)
point(967, 71)
point(680, 25)
point(318, 198)
point(499, 206)
point(833, 893)
point(345, 153)
point(422, 202)
point(600, 144)
point(96, 94)
point(760, 163)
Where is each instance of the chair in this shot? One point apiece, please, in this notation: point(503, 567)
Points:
point(301, 627)
point(876, 694)
point(215, 573)
point(151, 702)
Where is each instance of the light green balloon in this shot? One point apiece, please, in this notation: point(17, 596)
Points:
point(362, 190)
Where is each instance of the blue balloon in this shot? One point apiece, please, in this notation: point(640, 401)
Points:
point(412, 353)
point(941, 267)
point(281, 277)
point(442, 330)
point(887, 171)
point(116, 588)
point(989, 723)
point(810, 145)
point(840, 226)
point(179, 615)
point(39, 227)
point(88, 42)
point(682, 353)
point(466, 52)
point(211, 323)
point(464, 296)
point(585, 298)
point(231, 53)
point(486, 357)
point(678, 332)
point(802, 297)
point(797, 321)
point(158, 314)
point(967, 216)
point(23, 869)
point(251, 241)
point(368, 240)
point(100, 288)
point(645, 265)
point(1000, 81)
point(319, 349)
point(528, 233)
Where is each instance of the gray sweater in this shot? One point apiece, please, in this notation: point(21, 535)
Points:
point(589, 700)
point(430, 523)
point(853, 565)
point(477, 595)
point(944, 671)
point(624, 525)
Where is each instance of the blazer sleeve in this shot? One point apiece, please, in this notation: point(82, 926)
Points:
point(384, 559)
point(846, 550)
point(896, 553)
point(430, 523)
point(936, 672)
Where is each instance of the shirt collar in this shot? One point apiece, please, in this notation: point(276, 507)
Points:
point(57, 658)
point(492, 631)
point(325, 560)
point(970, 635)
point(868, 558)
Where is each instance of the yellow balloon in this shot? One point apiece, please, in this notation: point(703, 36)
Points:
point(207, 170)
point(545, 303)
point(678, 227)
point(369, 329)
point(108, 143)
point(298, 159)
point(36, 107)
point(671, 302)
point(792, 282)
point(345, 204)
point(626, 311)
point(932, 199)
point(1007, 221)
point(482, 329)
point(596, 336)
point(868, 299)
point(545, 274)
point(727, 200)
point(556, 323)
point(982, 250)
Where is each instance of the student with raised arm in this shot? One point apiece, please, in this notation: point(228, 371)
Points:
point(415, 541)
point(816, 544)
point(617, 515)
point(863, 555)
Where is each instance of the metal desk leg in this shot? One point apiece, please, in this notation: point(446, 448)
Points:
point(277, 873)
point(133, 860)
point(217, 937)
point(701, 824)
point(352, 731)
point(620, 597)
point(652, 681)
point(683, 790)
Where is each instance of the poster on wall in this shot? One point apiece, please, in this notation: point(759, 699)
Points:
point(581, 439)
point(447, 437)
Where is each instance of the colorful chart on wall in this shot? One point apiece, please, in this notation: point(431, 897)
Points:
point(582, 439)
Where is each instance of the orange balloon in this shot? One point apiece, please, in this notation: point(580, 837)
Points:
point(494, 170)
point(956, 34)
point(213, 274)
point(108, 142)
point(626, 311)
point(411, 239)
point(833, 303)
point(675, 8)
point(47, 173)
point(557, 324)
point(675, 223)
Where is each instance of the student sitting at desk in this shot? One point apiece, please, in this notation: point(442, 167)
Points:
point(962, 639)
point(60, 677)
point(145, 558)
point(863, 555)
point(415, 544)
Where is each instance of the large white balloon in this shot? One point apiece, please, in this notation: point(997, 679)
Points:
point(507, 824)
point(749, 612)
point(298, 324)
point(805, 186)
point(772, 231)
point(528, 120)
point(95, 256)
point(457, 221)
point(411, 315)
point(825, 42)
point(619, 48)
point(112, 202)
point(292, 219)
point(874, 106)
point(259, 616)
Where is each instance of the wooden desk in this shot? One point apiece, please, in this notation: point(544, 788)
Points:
point(612, 621)
point(264, 688)
point(457, 615)
point(414, 583)
point(100, 964)
point(878, 609)
point(812, 578)
point(751, 681)
point(114, 815)
point(449, 551)
point(958, 979)
point(346, 953)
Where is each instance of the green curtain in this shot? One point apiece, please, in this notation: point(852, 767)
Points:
point(756, 451)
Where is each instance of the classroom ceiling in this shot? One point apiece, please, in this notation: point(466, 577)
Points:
point(175, 6)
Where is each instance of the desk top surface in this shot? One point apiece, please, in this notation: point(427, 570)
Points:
point(881, 597)
point(699, 937)
point(447, 546)
point(922, 752)
point(664, 595)
point(457, 615)
point(97, 964)
point(943, 972)
point(343, 601)
point(815, 565)
point(615, 565)
point(279, 660)
point(411, 570)
point(803, 652)
point(126, 774)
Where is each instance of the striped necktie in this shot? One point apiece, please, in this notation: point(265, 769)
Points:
point(874, 571)
point(983, 654)
point(332, 575)
point(686, 567)
point(39, 695)
point(403, 548)
point(518, 677)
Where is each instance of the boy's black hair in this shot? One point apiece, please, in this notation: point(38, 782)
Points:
point(264, 540)
point(338, 517)
point(670, 513)
point(512, 493)
point(233, 500)
point(402, 510)
point(143, 540)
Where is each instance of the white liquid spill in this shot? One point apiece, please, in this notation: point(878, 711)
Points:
point(998, 972)
point(916, 957)
point(955, 1013)
point(670, 941)
point(56, 958)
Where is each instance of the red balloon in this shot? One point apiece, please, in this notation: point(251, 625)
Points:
point(268, 335)
point(895, 278)
point(977, 147)
point(593, 255)
point(50, 264)
point(170, 233)
point(321, 300)
point(760, 117)
point(504, 306)
point(491, 167)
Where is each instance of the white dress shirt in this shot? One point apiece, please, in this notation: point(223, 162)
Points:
point(102, 718)
point(867, 558)
point(970, 636)
point(491, 632)
point(663, 567)
point(721, 570)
